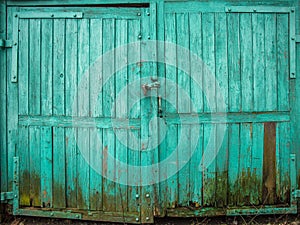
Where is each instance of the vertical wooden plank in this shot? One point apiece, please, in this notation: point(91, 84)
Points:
point(35, 166)
point(221, 59)
point(35, 67)
point(71, 66)
point(269, 164)
point(222, 167)
point(24, 166)
point(83, 169)
point(184, 174)
point(271, 62)
point(46, 167)
point(282, 62)
point(182, 30)
point(23, 67)
point(121, 111)
point(285, 151)
point(23, 110)
point(109, 190)
point(46, 66)
point(209, 173)
point(59, 168)
point(233, 163)
point(96, 78)
point(257, 163)
point(245, 176)
point(59, 67)
point(109, 187)
point(258, 27)
point(234, 62)
point(171, 55)
point(196, 178)
point(246, 62)
point(3, 99)
point(134, 27)
point(292, 35)
point(71, 168)
point(208, 31)
point(96, 46)
point(195, 21)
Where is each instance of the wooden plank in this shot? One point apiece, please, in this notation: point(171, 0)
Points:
point(71, 168)
point(23, 67)
point(208, 25)
point(14, 53)
point(59, 67)
point(222, 166)
point(121, 112)
point(246, 62)
point(257, 163)
point(258, 9)
point(171, 56)
point(234, 61)
point(96, 48)
point(46, 66)
point(284, 170)
point(233, 164)
point(46, 167)
point(109, 187)
point(59, 168)
point(184, 152)
point(34, 67)
point(282, 62)
point(195, 22)
point(271, 62)
point(258, 27)
point(76, 2)
point(24, 166)
point(292, 29)
point(35, 166)
point(183, 64)
point(95, 163)
point(50, 15)
point(245, 156)
point(209, 173)
point(196, 178)
point(71, 67)
point(221, 61)
point(83, 169)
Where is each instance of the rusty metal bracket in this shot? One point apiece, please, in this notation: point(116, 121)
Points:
point(147, 87)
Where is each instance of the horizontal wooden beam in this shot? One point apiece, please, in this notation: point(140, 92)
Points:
point(89, 122)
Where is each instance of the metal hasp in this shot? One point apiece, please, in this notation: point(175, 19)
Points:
point(147, 87)
point(6, 43)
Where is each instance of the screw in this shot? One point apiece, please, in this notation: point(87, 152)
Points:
point(254, 10)
point(147, 196)
point(16, 196)
point(52, 15)
point(147, 218)
point(52, 214)
point(229, 9)
point(137, 219)
point(16, 15)
point(15, 43)
point(137, 196)
point(149, 37)
point(61, 75)
point(140, 36)
point(139, 14)
point(75, 15)
point(292, 10)
point(77, 216)
point(148, 14)
point(293, 38)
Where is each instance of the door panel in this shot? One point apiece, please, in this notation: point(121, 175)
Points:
point(67, 93)
point(248, 55)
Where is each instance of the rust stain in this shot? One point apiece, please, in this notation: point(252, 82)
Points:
point(269, 164)
point(67, 142)
point(104, 166)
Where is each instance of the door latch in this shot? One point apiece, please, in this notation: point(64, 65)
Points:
point(147, 87)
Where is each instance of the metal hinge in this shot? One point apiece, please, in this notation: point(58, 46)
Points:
point(6, 196)
point(6, 43)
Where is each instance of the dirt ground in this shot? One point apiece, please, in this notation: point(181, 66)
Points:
point(263, 220)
